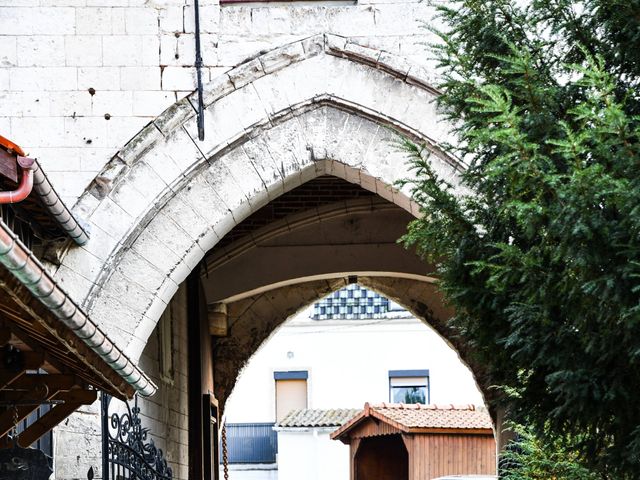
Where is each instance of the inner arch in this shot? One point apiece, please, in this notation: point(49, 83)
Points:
point(299, 248)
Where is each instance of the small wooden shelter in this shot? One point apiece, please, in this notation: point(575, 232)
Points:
point(419, 442)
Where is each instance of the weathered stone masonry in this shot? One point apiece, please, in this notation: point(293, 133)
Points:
point(292, 92)
point(170, 198)
point(137, 58)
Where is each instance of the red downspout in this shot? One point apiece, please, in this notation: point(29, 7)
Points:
point(26, 183)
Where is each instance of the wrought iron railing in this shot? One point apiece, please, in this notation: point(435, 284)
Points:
point(127, 453)
point(251, 442)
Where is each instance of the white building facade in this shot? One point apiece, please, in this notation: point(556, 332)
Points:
point(342, 363)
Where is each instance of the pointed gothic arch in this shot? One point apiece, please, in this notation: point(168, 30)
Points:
point(320, 106)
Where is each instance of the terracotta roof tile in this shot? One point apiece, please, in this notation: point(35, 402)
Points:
point(318, 418)
point(435, 416)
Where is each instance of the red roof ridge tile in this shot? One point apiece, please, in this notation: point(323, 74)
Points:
point(419, 406)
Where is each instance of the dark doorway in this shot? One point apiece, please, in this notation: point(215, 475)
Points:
point(382, 458)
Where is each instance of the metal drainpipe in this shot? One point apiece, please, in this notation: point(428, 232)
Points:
point(26, 183)
point(30, 272)
point(199, 73)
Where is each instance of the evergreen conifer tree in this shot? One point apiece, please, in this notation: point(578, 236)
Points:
point(541, 257)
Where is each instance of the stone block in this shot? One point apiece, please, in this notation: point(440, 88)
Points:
point(129, 199)
point(113, 103)
point(83, 263)
point(80, 131)
point(69, 104)
point(281, 57)
point(83, 50)
point(147, 182)
point(122, 129)
point(246, 176)
point(102, 244)
point(313, 45)
point(43, 79)
point(141, 21)
point(151, 103)
point(130, 293)
point(183, 214)
point(171, 19)
point(112, 219)
point(140, 270)
point(175, 116)
point(39, 51)
point(140, 78)
point(139, 144)
point(209, 18)
point(74, 284)
point(123, 50)
point(179, 78)
point(221, 124)
point(8, 52)
point(98, 78)
point(203, 200)
point(94, 21)
point(245, 73)
point(37, 131)
point(37, 21)
point(151, 244)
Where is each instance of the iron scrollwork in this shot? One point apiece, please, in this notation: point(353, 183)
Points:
point(127, 451)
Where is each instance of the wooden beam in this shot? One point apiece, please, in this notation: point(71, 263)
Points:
point(218, 320)
point(32, 361)
point(58, 384)
point(54, 383)
point(73, 400)
point(49, 329)
point(8, 418)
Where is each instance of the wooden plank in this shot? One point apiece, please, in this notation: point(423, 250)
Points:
point(54, 383)
point(32, 361)
point(8, 166)
point(8, 418)
point(73, 400)
point(11, 416)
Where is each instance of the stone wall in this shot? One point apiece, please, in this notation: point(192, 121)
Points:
point(77, 441)
point(79, 78)
point(165, 414)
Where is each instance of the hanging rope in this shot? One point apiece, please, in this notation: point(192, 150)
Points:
point(225, 456)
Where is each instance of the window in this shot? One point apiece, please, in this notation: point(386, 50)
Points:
point(291, 392)
point(409, 386)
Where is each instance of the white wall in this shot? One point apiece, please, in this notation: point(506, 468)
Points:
point(138, 57)
point(310, 454)
point(251, 472)
point(348, 363)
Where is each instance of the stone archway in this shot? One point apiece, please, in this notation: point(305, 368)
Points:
point(319, 106)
